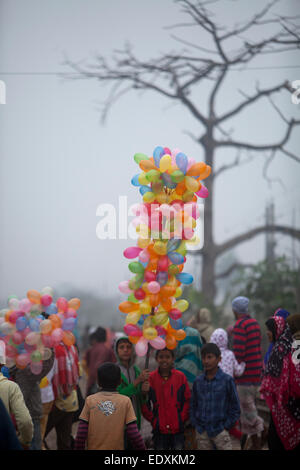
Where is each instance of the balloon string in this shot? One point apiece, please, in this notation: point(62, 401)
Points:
point(149, 346)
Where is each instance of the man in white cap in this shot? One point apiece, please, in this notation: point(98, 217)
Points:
point(247, 348)
point(13, 400)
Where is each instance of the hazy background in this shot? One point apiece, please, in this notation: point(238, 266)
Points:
point(58, 163)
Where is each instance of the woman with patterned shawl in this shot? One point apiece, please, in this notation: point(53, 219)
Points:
point(280, 388)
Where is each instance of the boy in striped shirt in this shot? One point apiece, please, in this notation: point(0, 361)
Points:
point(247, 348)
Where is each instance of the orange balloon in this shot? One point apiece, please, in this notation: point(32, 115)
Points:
point(34, 296)
point(127, 307)
point(196, 169)
point(179, 335)
point(171, 342)
point(133, 339)
point(74, 303)
point(152, 265)
point(166, 303)
point(205, 173)
point(68, 338)
point(167, 291)
point(154, 300)
point(180, 188)
point(147, 165)
point(55, 320)
point(7, 315)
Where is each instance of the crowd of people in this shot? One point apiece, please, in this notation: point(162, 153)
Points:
point(195, 397)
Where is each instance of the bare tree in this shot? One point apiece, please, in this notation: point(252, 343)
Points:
point(176, 75)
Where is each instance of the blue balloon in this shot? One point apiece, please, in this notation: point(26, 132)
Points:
point(21, 323)
point(135, 180)
point(185, 278)
point(176, 324)
point(51, 309)
point(34, 324)
point(69, 323)
point(173, 244)
point(158, 152)
point(175, 257)
point(162, 278)
point(182, 162)
point(145, 189)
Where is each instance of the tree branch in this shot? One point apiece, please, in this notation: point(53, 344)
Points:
point(234, 266)
point(220, 249)
point(252, 99)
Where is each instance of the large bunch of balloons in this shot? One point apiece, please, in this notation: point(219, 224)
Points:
point(170, 184)
point(33, 325)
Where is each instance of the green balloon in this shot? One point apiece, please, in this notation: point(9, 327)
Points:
point(136, 267)
point(153, 176)
point(138, 157)
point(177, 176)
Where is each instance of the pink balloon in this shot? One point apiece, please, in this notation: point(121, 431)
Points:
point(139, 294)
point(71, 312)
point(25, 305)
point(175, 314)
point(23, 359)
point(57, 335)
point(17, 337)
point(154, 287)
point(62, 304)
point(163, 263)
point(161, 330)
point(203, 192)
point(47, 341)
point(124, 287)
point(132, 330)
point(167, 151)
point(144, 256)
point(158, 343)
point(46, 300)
point(141, 347)
point(149, 276)
point(132, 252)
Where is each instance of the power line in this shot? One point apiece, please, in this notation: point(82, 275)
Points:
point(271, 67)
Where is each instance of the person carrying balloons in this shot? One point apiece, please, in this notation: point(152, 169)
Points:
point(134, 383)
point(168, 403)
point(64, 381)
point(29, 384)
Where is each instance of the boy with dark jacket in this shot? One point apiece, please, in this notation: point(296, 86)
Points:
point(167, 408)
point(215, 404)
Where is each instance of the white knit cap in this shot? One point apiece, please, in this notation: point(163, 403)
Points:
point(2, 353)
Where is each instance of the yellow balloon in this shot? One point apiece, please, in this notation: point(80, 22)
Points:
point(191, 184)
point(133, 317)
point(160, 318)
point(165, 163)
point(145, 308)
point(143, 242)
point(149, 333)
point(178, 292)
point(160, 247)
point(149, 197)
point(182, 305)
point(142, 179)
point(187, 196)
point(162, 198)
